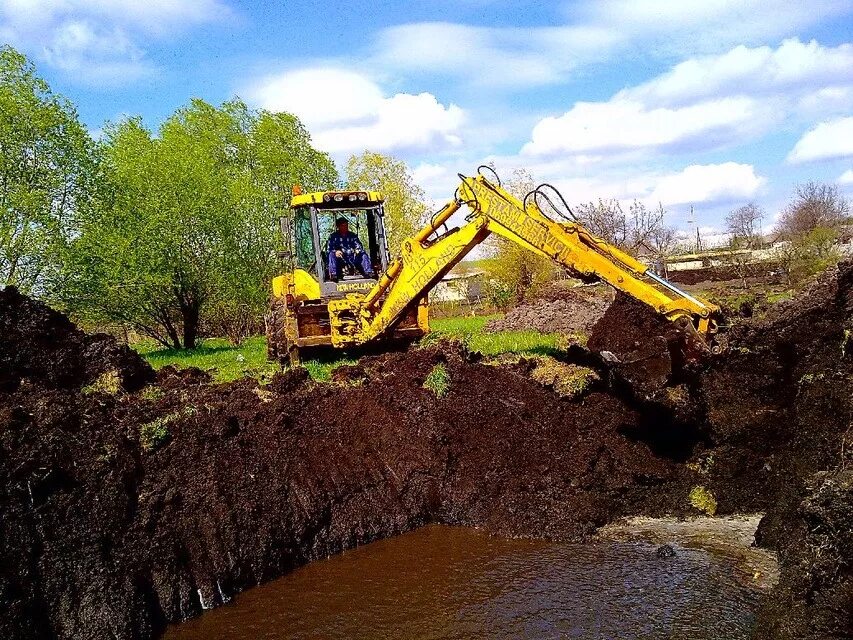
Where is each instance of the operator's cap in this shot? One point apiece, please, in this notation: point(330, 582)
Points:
point(341, 221)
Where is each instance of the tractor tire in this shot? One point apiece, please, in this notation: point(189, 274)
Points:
point(278, 348)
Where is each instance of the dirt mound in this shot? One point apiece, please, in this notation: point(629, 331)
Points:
point(763, 271)
point(779, 410)
point(814, 599)
point(644, 348)
point(42, 345)
point(558, 309)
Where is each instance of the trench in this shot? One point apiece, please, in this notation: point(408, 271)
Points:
point(454, 582)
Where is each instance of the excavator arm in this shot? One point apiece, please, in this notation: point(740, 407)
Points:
point(428, 256)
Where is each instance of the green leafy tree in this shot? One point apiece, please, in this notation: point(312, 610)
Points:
point(405, 208)
point(184, 233)
point(46, 168)
point(810, 226)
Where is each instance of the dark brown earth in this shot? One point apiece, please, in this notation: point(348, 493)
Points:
point(107, 532)
point(559, 308)
point(762, 271)
point(41, 345)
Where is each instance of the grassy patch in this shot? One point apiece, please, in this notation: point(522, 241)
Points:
point(223, 360)
point(567, 380)
point(227, 362)
point(108, 383)
point(470, 331)
point(156, 433)
point(438, 380)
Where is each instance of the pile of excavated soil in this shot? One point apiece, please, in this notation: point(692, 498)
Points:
point(779, 411)
point(761, 270)
point(41, 345)
point(122, 512)
point(569, 310)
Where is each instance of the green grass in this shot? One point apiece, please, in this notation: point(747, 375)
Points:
point(227, 362)
point(438, 380)
point(469, 330)
point(224, 361)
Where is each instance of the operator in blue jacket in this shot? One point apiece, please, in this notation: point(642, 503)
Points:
point(344, 248)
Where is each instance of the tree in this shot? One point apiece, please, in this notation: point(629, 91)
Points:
point(185, 225)
point(810, 225)
point(815, 205)
point(514, 270)
point(745, 230)
point(809, 254)
point(405, 207)
point(46, 167)
point(641, 229)
point(744, 225)
point(605, 219)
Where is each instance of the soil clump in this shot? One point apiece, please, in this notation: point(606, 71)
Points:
point(43, 346)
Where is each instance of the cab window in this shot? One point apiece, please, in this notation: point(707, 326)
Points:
point(306, 258)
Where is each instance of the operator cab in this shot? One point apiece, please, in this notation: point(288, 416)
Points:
point(314, 217)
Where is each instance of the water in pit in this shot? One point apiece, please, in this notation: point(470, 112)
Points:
point(449, 582)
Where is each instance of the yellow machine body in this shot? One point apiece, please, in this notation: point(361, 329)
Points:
point(398, 300)
point(301, 315)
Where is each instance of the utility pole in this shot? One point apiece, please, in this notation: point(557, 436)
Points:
point(691, 221)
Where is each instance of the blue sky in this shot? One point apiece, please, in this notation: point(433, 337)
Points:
point(703, 103)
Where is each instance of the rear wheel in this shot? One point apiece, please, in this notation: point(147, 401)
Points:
point(279, 348)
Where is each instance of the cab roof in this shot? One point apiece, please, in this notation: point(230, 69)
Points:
point(337, 199)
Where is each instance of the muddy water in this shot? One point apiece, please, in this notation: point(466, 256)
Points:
point(447, 582)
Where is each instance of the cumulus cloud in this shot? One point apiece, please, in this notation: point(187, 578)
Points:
point(792, 67)
point(98, 41)
point(708, 183)
point(618, 125)
point(846, 177)
point(708, 102)
point(830, 139)
point(347, 112)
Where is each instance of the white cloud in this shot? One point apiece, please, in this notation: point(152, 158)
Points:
point(319, 96)
point(497, 56)
point(595, 30)
point(793, 66)
point(708, 183)
point(618, 125)
point(707, 102)
point(830, 139)
point(76, 44)
point(846, 177)
point(98, 41)
point(708, 25)
point(347, 112)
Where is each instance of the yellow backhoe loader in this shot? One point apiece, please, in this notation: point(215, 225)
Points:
point(311, 309)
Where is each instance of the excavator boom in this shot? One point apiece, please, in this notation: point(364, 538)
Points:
point(428, 256)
